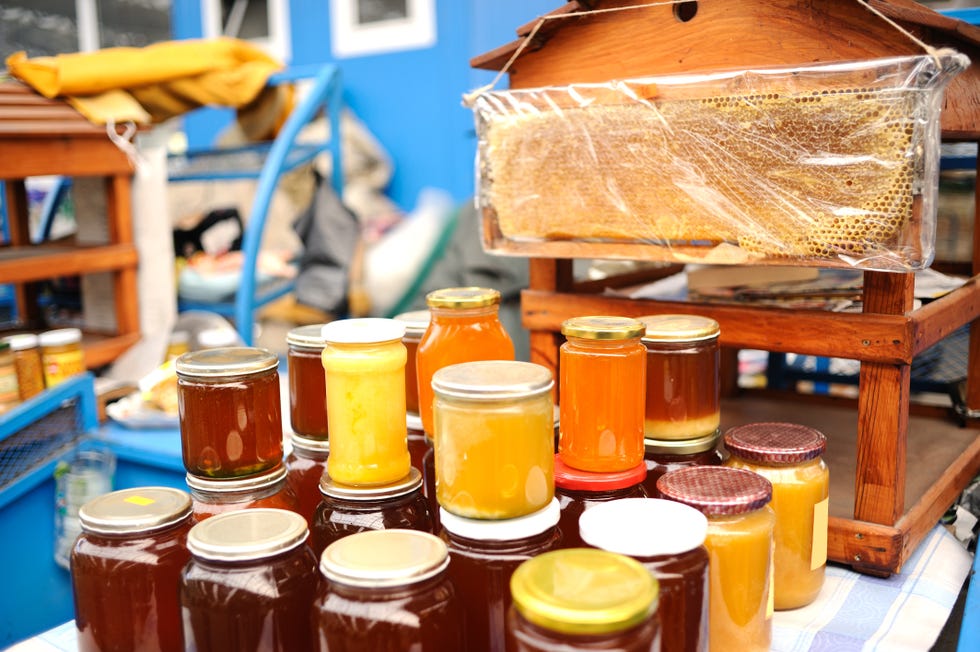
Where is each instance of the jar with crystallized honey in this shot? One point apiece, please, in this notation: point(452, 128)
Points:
point(27, 362)
point(602, 372)
point(307, 387)
point(789, 456)
point(61, 353)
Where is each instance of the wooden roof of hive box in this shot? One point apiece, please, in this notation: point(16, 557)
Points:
point(727, 34)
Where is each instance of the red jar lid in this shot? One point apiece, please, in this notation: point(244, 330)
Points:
point(716, 490)
point(568, 478)
point(775, 443)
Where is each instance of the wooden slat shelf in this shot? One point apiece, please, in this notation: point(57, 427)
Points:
point(25, 264)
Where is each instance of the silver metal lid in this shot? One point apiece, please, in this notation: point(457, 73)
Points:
point(492, 380)
point(306, 337)
point(415, 322)
point(247, 534)
point(384, 558)
point(229, 361)
point(142, 509)
point(406, 485)
point(234, 485)
point(309, 444)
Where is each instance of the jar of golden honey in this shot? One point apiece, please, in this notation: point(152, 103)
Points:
point(494, 450)
point(464, 327)
point(601, 371)
point(364, 363)
point(416, 323)
point(250, 583)
point(230, 414)
point(211, 497)
point(387, 590)
point(578, 491)
point(125, 569)
point(683, 383)
point(665, 455)
point(306, 463)
point(61, 354)
point(27, 362)
point(789, 456)
point(667, 537)
point(739, 544)
point(9, 393)
point(307, 387)
point(582, 598)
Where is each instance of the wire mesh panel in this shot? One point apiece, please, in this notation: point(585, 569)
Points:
point(39, 442)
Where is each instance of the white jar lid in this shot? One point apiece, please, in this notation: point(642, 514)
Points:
point(508, 529)
point(60, 337)
point(21, 341)
point(643, 527)
point(363, 331)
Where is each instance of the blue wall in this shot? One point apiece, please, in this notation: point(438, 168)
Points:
point(410, 100)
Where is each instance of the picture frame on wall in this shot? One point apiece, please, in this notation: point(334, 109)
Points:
point(366, 27)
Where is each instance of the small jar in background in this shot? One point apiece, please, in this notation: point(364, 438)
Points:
point(125, 569)
point(667, 537)
point(306, 463)
point(494, 434)
point(789, 456)
point(416, 323)
point(250, 583)
point(683, 382)
point(364, 363)
point(602, 367)
point(347, 509)
point(61, 353)
point(464, 326)
point(387, 590)
point(9, 392)
point(578, 491)
point(230, 413)
point(739, 544)
point(27, 361)
point(178, 344)
point(582, 598)
point(307, 385)
point(664, 456)
point(217, 496)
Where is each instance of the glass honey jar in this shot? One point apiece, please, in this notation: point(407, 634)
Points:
point(416, 322)
point(250, 583)
point(683, 382)
point(583, 599)
point(494, 438)
point(387, 590)
point(211, 497)
point(62, 355)
point(307, 385)
point(230, 414)
point(27, 362)
point(667, 537)
point(464, 327)
point(789, 456)
point(739, 543)
point(364, 362)
point(9, 392)
point(602, 371)
point(125, 569)
point(664, 455)
point(306, 463)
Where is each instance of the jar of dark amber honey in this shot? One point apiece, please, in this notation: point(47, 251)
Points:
point(346, 509)
point(668, 539)
point(578, 491)
point(307, 382)
point(125, 569)
point(484, 554)
point(387, 590)
point(250, 583)
point(583, 599)
point(664, 456)
point(230, 416)
point(269, 489)
point(306, 463)
point(683, 383)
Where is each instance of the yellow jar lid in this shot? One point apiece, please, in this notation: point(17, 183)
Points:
point(584, 591)
point(679, 328)
point(603, 328)
point(461, 298)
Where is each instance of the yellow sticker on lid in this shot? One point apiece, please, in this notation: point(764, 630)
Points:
point(818, 554)
point(142, 501)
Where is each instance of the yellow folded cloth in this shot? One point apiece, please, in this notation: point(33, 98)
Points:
point(165, 79)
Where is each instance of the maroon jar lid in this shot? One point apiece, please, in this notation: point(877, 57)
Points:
point(775, 443)
point(716, 490)
point(576, 480)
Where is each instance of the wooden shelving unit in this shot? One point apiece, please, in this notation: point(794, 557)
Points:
point(39, 136)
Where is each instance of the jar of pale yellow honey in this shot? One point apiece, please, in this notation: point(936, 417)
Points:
point(789, 456)
point(61, 352)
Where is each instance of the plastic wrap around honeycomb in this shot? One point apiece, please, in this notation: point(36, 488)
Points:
point(831, 165)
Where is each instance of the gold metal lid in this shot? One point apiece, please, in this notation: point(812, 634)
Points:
point(461, 298)
point(584, 591)
point(415, 322)
point(228, 361)
point(247, 534)
point(408, 484)
point(679, 328)
point(384, 558)
point(306, 337)
point(134, 510)
point(603, 328)
point(682, 446)
point(492, 380)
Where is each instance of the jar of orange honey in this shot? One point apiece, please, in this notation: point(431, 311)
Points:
point(464, 327)
point(602, 376)
point(789, 456)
